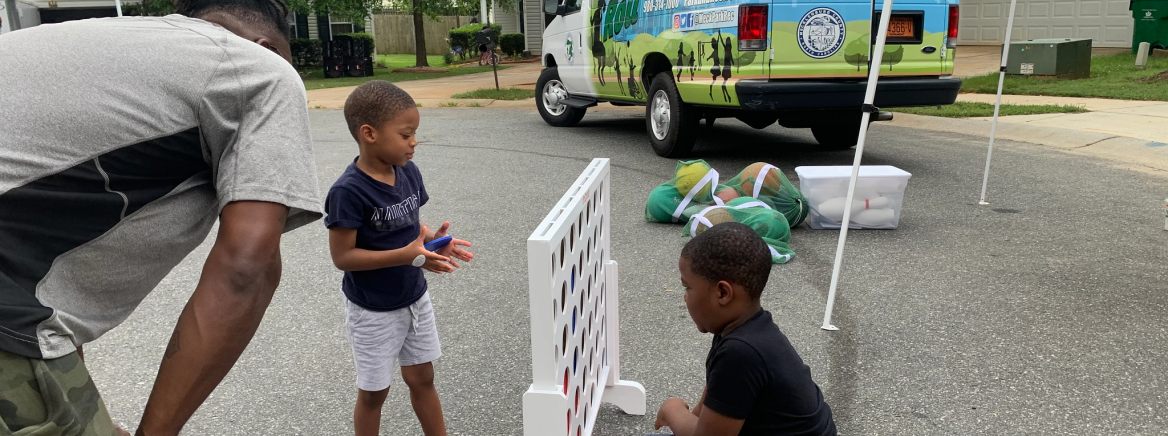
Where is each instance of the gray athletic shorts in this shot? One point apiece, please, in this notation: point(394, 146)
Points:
point(380, 339)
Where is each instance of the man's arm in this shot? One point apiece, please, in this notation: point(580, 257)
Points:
point(238, 281)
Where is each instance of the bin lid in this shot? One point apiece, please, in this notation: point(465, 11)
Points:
point(845, 171)
point(1049, 41)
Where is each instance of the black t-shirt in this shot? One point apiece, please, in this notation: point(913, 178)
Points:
point(386, 218)
point(754, 373)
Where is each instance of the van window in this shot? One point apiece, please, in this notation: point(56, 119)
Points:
point(571, 6)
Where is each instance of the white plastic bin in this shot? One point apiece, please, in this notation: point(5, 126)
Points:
point(877, 203)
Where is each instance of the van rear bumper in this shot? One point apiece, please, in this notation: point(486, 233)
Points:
point(787, 95)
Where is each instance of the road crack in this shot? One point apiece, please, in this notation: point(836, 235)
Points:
point(1096, 142)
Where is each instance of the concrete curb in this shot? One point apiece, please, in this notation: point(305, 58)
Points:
point(444, 103)
point(1132, 153)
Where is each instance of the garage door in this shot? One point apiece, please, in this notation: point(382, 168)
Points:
point(1107, 22)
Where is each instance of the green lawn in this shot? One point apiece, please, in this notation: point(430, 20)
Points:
point(963, 109)
point(314, 79)
point(501, 94)
point(395, 61)
point(1111, 77)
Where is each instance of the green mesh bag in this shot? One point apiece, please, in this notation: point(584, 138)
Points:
point(768, 223)
point(775, 190)
point(689, 190)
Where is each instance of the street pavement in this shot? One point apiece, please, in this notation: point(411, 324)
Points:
point(1042, 313)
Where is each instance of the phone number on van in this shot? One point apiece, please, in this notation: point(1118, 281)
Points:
point(659, 5)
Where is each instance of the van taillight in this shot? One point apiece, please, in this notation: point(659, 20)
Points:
point(752, 27)
point(954, 18)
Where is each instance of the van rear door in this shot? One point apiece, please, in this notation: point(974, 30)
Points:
point(829, 39)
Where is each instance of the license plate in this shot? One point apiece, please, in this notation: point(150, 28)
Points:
point(901, 27)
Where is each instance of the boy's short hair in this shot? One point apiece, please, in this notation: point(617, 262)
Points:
point(732, 252)
point(269, 14)
point(374, 103)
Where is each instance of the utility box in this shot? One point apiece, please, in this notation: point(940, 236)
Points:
point(1066, 58)
point(1151, 23)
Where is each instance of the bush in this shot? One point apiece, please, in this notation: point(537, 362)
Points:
point(362, 36)
point(448, 57)
point(465, 36)
point(512, 43)
point(307, 52)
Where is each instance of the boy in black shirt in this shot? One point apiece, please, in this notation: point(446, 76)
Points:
point(756, 384)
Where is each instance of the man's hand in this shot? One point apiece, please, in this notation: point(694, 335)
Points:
point(452, 249)
point(239, 278)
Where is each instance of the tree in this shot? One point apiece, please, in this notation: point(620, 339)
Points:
point(149, 8)
point(432, 9)
point(856, 53)
point(893, 57)
point(350, 10)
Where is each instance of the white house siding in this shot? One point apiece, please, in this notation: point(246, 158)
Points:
point(1107, 22)
point(533, 25)
point(509, 21)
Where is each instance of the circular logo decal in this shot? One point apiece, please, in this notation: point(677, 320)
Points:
point(821, 33)
point(571, 49)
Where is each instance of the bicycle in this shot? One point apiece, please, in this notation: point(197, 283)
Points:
point(489, 57)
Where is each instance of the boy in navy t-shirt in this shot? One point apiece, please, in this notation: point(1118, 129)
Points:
point(756, 384)
point(376, 237)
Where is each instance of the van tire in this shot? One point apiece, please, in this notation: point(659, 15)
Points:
point(560, 115)
point(836, 136)
point(676, 122)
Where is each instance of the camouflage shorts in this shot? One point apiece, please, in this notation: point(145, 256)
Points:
point(50, 397)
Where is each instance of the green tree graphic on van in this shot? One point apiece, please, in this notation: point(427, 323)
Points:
point(893, 57)
point(856, 52)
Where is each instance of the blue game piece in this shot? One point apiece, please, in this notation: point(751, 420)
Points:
point(439, 243)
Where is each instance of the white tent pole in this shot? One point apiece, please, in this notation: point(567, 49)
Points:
point(118, 4)
point(985, 179)
point(868, 108)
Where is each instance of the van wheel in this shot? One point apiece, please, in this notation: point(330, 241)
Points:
point(552, 93)
point(837, 136)
point(672, 124)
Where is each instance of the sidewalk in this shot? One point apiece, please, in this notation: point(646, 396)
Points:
point(434, 92)
point(1146, 120)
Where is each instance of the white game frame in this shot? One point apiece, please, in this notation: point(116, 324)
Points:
point(575, 347)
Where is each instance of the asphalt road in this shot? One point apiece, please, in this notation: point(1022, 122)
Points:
point(1043, 313)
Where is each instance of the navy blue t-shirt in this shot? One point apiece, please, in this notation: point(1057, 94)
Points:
point(386, 218)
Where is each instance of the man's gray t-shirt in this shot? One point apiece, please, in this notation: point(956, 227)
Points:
point(121, 140)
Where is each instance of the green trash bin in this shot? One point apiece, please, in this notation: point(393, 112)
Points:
point(1151, 24)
